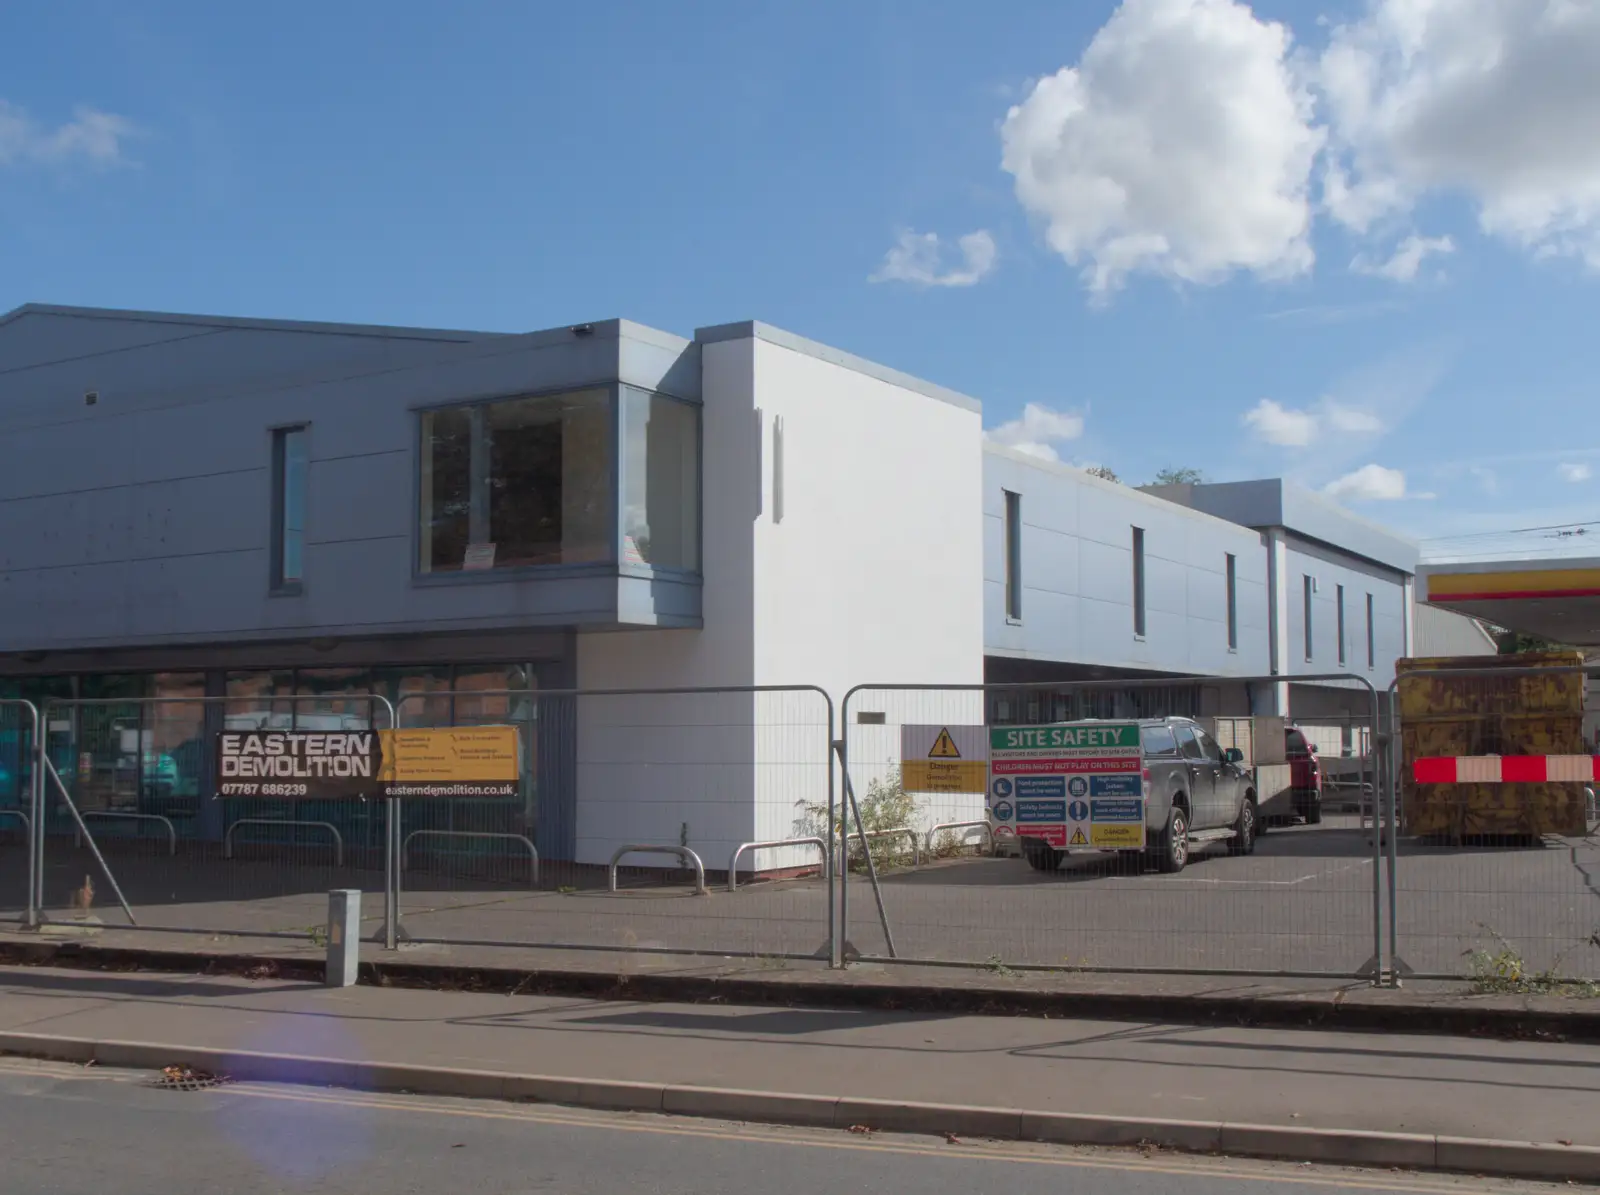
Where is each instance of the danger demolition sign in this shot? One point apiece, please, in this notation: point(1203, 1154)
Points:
point(944, 759)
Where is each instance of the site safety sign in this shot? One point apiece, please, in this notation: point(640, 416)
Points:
point(1072, 784)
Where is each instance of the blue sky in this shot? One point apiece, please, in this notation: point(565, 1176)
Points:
point(1357, 244)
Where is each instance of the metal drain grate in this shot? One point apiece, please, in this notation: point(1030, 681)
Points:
point(186, 1078)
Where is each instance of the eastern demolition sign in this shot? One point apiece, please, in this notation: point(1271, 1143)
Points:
point(462, 761)
point(288, 763)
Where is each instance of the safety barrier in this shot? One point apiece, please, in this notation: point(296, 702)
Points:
point(689, 858)
point(1303, 903)
point(533, 851)
point(743, 774)
point(773, 844)
point(333, 831)
point(1490, 884)
point(117, 815)
point(943, 827)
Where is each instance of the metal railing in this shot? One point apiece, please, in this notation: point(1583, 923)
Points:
point(117, 815)
point(27, 822)
point(942, 827)
point(689, 858)
point(533, 851)
point(773, 844)
point(906, 832)
point(338, 838)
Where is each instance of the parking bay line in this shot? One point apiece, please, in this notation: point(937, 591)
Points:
point(1269, 883)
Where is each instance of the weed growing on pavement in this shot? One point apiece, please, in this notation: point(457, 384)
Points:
point(1503, 970)
point(884, 806)
point(998, 966)
point(318, 935)
point(772, 962)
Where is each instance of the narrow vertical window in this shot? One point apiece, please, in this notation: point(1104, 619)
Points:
point(777, 468)
point(1372, 638)
point(290, 463)
point(1233, 601)
point(1013, 555)
point(1138, 581)
point(1339, 620)
point(1310, 588)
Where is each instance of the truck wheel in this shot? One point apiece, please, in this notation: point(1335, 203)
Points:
point(1041, 856)
point(1173, 851)
point(1243, 841)
point(1314, 811)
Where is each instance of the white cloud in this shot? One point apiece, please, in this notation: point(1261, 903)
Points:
point(1277, 424)
point(1488, 480)
point(1370, 483)
point(1492, 99)
point(1351, 420)
point(1407, 258)
point(918, 258)
point(1038, 431)
point(1292, 427)
point(1181, 144)
point(1575, 471)
point(90, 136)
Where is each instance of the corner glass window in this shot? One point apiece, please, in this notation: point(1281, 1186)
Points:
point(522, 482)
point(661, 481)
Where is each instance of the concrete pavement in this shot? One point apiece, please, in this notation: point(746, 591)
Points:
point(1273, 1092)
point(70, 1131)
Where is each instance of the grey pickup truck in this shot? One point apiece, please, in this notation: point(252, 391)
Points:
point(1195, 794)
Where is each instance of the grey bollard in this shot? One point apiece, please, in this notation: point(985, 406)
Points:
point(344, 937)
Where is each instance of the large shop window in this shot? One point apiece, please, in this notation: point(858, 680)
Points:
point(661, 489)
point(528, 481)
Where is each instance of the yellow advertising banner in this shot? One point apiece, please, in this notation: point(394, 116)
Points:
point(453, 761)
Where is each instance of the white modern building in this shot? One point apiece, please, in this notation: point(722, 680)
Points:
point(234, 512)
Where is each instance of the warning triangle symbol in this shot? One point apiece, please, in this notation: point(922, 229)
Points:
point(1077, 838)
point(944, 747)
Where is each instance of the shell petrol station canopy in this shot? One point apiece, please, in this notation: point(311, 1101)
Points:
point(1558, 600)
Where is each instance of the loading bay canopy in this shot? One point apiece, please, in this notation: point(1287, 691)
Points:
point(1558, 600)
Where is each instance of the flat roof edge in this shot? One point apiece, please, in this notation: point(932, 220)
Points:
point(1138, 493)
point(247, 322)
point(756, 330)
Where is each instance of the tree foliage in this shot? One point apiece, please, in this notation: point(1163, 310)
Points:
point(1180, 476)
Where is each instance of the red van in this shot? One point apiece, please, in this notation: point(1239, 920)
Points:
point(1305, 775)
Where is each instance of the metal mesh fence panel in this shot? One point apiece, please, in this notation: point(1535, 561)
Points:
point(139, 773)
point(1302, 901)
point(1497, 879)
point(669, 772)
point(18, 759)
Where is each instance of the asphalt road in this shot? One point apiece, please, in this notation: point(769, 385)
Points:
point(66, 1130)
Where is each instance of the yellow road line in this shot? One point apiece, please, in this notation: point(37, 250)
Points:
point(553, 1115)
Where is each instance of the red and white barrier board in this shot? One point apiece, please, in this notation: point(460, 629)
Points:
point(1507, 769)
